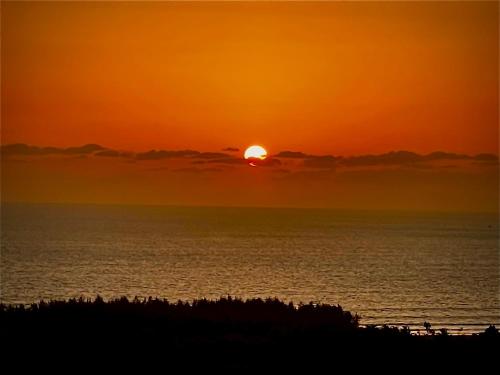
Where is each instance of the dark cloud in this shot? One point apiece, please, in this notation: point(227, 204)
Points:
point(113, 154)
point(292, 154)
point(270, 162)
point(197, 170)
point(231, 149)
point(422, 166)
point(326, 161)
point(486, 163)
point(228, 160)
point(267, 162)
point(20, 149)
point(390, 158)
point(440, 155)
point(394, 158)
point(387, 159)
point(24, 149)
point(407, 157)
point(486, 157)
point(86, 149)
point(164, 154)
point(212, 155)
point(310, 161)
point(108, 153)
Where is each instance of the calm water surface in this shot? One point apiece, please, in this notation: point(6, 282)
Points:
point(389, 267)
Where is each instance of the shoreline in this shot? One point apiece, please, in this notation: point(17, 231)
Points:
point(72, 305)
point(415, 328)
point(226, 334)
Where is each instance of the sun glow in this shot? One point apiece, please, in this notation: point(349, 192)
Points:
point(254, 154)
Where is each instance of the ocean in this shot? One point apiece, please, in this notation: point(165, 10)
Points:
point(396, 268)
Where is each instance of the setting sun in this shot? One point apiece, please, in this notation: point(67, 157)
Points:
point(258, 184)
point(255, 153)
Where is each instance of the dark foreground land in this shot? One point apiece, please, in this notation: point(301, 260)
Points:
point(226, 334)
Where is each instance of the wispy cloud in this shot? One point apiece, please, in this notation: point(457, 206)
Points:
point(114, 154)
point(326, 161)
point(304, 160)
point(393, 158)
point(400, 179)
point(228, 160)
point(24, 149)
point(407, 158)
point(164, 154)
point(212, 155)
point(167, 154)
point(292, 154)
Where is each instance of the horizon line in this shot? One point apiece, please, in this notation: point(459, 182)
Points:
point(263, 207)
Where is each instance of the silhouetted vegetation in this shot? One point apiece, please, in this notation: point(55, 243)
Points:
point(243, 333)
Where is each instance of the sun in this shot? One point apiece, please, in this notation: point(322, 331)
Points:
point(254, 154)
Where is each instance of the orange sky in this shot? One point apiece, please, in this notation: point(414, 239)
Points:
point(337, 78)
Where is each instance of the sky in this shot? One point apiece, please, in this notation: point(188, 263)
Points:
point(339, 80)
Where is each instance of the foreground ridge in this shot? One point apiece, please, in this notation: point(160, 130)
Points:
point(244, 332)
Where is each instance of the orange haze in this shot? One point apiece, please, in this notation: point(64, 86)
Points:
point(321, 79)
point(342, 78)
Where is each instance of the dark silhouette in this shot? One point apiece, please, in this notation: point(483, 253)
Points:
point(427, 327)
point(232, 332)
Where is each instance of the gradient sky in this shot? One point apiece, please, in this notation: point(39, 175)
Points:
point(339, 79)
point(343, 78)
